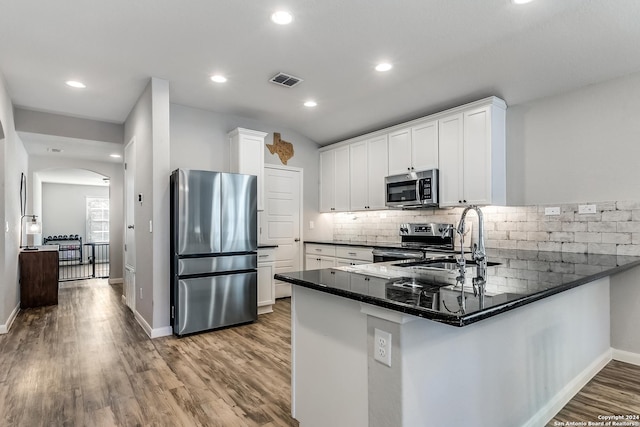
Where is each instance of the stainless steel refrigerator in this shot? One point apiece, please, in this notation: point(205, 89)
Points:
point(214, 244)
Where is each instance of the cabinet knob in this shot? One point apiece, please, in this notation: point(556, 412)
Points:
point(408, 169)
point(459, 201)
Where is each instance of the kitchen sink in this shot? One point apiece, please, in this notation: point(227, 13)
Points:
point(441, 264)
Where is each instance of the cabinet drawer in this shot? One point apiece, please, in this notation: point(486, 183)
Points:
point(359, 253)
point(326, 250)
point(266, 255)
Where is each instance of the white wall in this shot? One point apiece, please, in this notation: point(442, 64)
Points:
point(64, 208)
point(199, 141)
point(148, 123)
point(116, 197)
point(13, 161)
point(576, 147)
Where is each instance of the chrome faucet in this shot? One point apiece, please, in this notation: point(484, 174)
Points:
point(478, 254)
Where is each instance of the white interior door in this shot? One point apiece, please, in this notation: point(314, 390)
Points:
point(129, 231)
point(280, 221)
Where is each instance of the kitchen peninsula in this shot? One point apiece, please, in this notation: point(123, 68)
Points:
point(511, 355)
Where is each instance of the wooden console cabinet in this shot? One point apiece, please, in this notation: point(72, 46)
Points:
point(39, 277)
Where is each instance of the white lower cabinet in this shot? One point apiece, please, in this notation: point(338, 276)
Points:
point(319, 256)
point(266, 283)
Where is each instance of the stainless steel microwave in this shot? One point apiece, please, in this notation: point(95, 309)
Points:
point(412, 189)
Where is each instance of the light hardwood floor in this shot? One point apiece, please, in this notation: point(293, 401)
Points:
point(88, 362)
point(615, 390)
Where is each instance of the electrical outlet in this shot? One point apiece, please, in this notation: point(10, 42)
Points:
point(552, 211)
point(382, 347)
point(586, 209)
point(312, 225)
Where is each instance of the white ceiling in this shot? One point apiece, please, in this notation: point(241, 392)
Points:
point(43, 145)
point(445, 52)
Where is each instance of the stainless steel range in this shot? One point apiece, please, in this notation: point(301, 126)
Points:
point(418, 241)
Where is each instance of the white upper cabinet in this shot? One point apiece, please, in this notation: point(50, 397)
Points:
point(472, 157)
point(334, 180)
point(414, 148)
point(367, 171)
point(451, 170)
point(466, 144)
point(247, 156)
point(400, 151)
point(424, 146)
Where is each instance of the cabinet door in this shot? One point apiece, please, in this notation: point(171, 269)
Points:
point(424, 146)
point(247, 157)
point(341, 179)
point(477, 156)
point(312, 262)
point(399, 151)
point(327, 262)
point(358, 171)
point(377, 171)
point(266, 287)
point(327, 181)
point(450, 160)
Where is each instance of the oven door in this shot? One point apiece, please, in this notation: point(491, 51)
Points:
point(384, 255)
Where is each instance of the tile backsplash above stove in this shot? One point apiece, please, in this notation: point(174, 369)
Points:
point(613, 229)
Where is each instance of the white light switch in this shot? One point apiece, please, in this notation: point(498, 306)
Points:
point(312, 225)
point(150, 226)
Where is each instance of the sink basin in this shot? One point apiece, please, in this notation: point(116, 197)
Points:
point(441, 264)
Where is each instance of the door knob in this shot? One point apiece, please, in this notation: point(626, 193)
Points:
point(130, 227)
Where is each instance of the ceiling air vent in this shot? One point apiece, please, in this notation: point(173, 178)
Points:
point(286, 80)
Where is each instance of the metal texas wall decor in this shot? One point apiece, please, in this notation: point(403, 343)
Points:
point(282, 148)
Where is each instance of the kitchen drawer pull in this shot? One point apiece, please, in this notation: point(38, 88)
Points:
point(352, 253)
point(262, 256)
point(318, 249)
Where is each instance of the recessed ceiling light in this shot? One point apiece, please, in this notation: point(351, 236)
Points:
point(521, 1)
point(282, 17)
point(76, 84)
point(115, 156)
point(310, 104)
point(384, 66)
point(218, 78)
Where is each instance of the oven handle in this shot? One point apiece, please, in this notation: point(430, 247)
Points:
point(398, 254)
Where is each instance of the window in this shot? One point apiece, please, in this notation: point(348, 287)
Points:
point(97, 220)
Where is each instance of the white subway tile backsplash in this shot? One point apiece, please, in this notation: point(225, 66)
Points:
point(628, 227)
point(575, 247)
point(628, 250)
point(613, 229)
point(621, 238)
point(574, 226)
point(616, 216)
point(587, 237)
point(550, 246)
point(627, 205)
point(601, 248)
point(607, 227)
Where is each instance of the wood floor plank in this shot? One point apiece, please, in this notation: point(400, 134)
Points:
point(615, 390)
point(86, 361)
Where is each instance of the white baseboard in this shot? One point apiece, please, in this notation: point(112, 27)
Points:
point(116, 281)
point(153, 333)
point(557, 402)
point(4, 329)
point(626, 356)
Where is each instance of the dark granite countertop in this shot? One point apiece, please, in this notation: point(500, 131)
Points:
point(519, 278)
point(267, 246)
point(368, 244)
